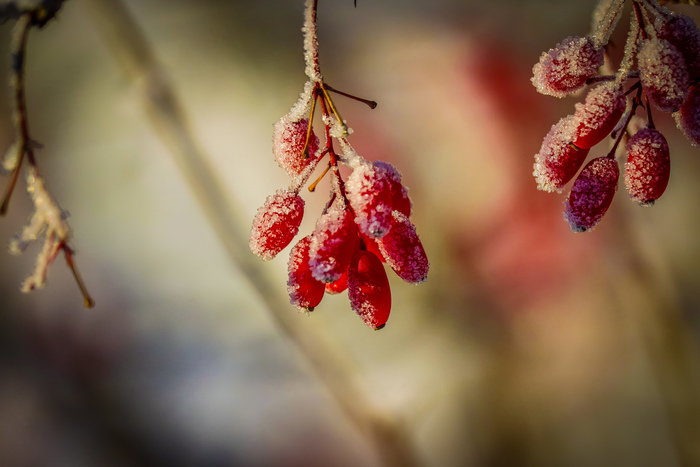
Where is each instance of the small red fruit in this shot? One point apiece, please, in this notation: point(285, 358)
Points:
point(305, 292)
point(334, 242)
point(558, 159)
point(368, 289)
point(288, 139)
point(591, 194)
point(404, 251)
point(648, 166)
point(276, 223)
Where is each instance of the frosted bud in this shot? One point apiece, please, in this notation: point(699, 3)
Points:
point(288, 139)
point(276, 223)
point(403, 250)
point(688, 117)
point(591, 194)
point(599, 114)
point(663, 74)
point(369, 192)
point(565, 68)
point(558, 160)
point(333, 243)
point(648, 166)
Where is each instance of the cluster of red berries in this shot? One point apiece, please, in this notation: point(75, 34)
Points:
point(364, 224)
point(666, 49)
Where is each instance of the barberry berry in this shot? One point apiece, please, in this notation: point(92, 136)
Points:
point(338, 286)
point(305, 292)
point(663, 74)
point(289, 142)
point(276, 223)
point(681, 31)
point(369, 192)
point(404, 251)
point(368, 289)
point(559, 159)
point(599, 114)
point(591, 194)
point(648, 166)
point(565, 68)
point(333, 243)
point(688, 117)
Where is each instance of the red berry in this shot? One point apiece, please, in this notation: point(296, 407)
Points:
point(369, 192)
point(305, 292)
point(681, 31)
point(400, 201)
point(368, 289)
point(372, 245)
point(338, 286)
point(334, 242)
point(663, 74)
point(648, 166)
point(688, 117)
point(565, 68)
point(599, 114)
point(404, 251)
point(276, 223)
point(558, 159)
point(591, 194)
point(288, 139)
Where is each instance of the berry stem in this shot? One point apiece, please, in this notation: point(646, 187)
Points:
point(640, 18)
point(305, 152)
point(635, 102)
point(371, 104)
point(333, 108)
point(312, 187)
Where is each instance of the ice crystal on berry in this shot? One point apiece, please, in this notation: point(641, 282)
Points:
point(665, 47)
point(372, 205)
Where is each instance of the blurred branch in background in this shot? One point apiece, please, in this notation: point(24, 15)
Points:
point(169, 120)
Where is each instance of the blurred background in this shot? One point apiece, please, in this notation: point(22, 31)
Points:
point(528, 345)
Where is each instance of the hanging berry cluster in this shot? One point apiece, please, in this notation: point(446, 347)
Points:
point(665, 46)
point(365, 222)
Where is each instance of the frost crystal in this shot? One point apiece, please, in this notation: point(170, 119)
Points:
point(333, 243)
point(369, 193)
point(288, 140)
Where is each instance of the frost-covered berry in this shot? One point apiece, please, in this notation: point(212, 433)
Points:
point(369, 192)
point(368, 289)
point(558, 159)
point(276, 223)
point(334, 242)
point(681, 31)
point(648, 166)
point(599, 114)
point(688, 117)
point(288, 139)
point(400, 200)
point(338, 286)
point(591, 194)
point(305, 292)
point(663, 74)
point(404, 251)
point(565, 68)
